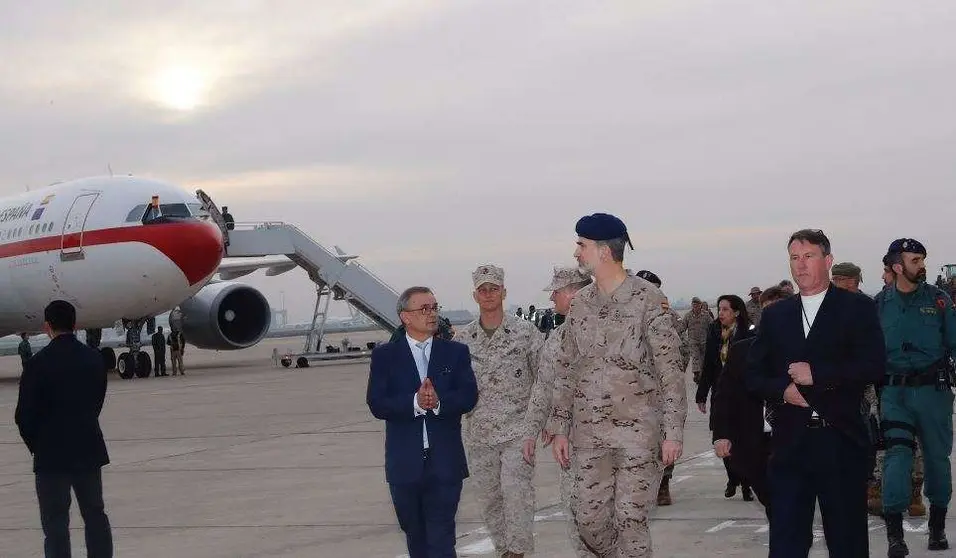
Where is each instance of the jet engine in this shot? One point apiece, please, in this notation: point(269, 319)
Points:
point(223, 316)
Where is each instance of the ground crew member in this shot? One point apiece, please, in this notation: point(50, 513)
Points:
point(664, 493)
point(177, 346)
point(159, 353)
point(698, 320)
point(919, 323)
point(565, 283)
point(24, 349)
point(504, 355)
point(620, 393)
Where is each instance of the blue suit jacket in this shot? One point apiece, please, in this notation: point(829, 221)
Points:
point(393, 381)
point(845, 350)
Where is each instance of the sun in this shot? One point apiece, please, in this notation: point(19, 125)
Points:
point(181, 88)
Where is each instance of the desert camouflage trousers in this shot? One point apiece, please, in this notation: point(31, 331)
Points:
point(873, 404)
point(614, 491)
point(505, 493)
point(567, 492)
point(697, 359)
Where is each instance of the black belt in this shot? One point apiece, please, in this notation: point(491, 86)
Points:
point(911, 380)
point(817, 422)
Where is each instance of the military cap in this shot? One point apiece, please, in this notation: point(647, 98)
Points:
point(906, 245)
point(695, 300)
point(756, 290)
point(566, 276)
point(487, 273)
point(650, 277)
point(602, 226)
point(846, 269)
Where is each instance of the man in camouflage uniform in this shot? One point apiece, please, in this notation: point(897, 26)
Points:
point(664, 493)
point(698, 320)
point(620, 401)
point(565, 283)
point(505, 351)
point(753, 306)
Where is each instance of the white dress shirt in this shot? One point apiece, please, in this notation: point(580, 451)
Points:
point(422, 356)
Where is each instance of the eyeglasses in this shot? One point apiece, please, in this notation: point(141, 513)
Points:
point(424, 310)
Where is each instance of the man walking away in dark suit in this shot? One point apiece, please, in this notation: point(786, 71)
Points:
point(159, 353)
point(420, 386)
point(61, 394)
point(812, 357)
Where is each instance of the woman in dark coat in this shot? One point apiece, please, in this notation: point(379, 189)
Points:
point(737, 416)
point(732, 325)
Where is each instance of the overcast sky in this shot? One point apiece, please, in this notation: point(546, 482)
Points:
point(431, 136)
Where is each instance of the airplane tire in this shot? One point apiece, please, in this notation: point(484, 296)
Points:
point(286, 361)
point(124, 366)
point(109, 358)
point(144, 365)
point(301, 362)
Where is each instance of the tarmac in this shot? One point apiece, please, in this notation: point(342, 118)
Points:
point(241, 458)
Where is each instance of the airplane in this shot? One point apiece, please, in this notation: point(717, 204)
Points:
point(124, 249)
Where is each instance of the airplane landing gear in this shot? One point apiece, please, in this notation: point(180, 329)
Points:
point(135, 362)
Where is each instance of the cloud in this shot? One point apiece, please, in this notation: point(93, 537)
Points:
point(429, 136)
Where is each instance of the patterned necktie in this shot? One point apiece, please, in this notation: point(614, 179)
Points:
point(421, 346)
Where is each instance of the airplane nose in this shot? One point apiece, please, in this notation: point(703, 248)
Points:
point(198, 251)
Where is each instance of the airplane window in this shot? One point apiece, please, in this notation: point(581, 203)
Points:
point(174, 210)
point(197, 210)
point(136, 214)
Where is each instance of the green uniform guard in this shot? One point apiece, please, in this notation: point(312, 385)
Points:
point(919, 325)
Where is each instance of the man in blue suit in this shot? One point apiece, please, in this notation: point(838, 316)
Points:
point(421, 385)
point(812, 358)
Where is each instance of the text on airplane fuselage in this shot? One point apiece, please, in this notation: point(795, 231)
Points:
point(19, 212)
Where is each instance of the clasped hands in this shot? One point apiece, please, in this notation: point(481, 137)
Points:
point(426, 396)
point(800, 375)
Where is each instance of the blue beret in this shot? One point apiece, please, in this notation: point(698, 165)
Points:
point(650, 277)
point(907, 245)
point(602, 226)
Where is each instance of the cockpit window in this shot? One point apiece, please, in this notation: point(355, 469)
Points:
point(174, 210)
point(180, 210)
point(197, 210)
point(136, 214)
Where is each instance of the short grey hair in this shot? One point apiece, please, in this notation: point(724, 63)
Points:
point(407, 294)
point(616, 246)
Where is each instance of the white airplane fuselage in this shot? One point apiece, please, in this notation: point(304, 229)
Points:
point(85, 242)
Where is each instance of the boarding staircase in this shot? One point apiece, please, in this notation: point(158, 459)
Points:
point(336, 275)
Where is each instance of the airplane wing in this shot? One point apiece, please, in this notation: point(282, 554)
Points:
point(232, 268)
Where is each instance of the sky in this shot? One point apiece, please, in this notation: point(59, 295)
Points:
point(429, 137)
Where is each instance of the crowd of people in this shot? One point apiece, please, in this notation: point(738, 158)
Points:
point(818, 394)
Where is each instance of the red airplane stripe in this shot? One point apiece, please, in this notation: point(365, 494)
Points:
point(195, 247)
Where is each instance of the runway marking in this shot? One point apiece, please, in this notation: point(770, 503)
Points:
point(680, 478)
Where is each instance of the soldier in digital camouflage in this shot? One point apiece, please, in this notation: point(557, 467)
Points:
point(620, 400)
point(565, 283)
point(698, 320)
point(664, 493)
point(505, 351)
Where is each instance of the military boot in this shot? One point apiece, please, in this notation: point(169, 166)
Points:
point(894, 536)
point(874, 498)
point(664, 493)
point(917, 508)
point(937, 526)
